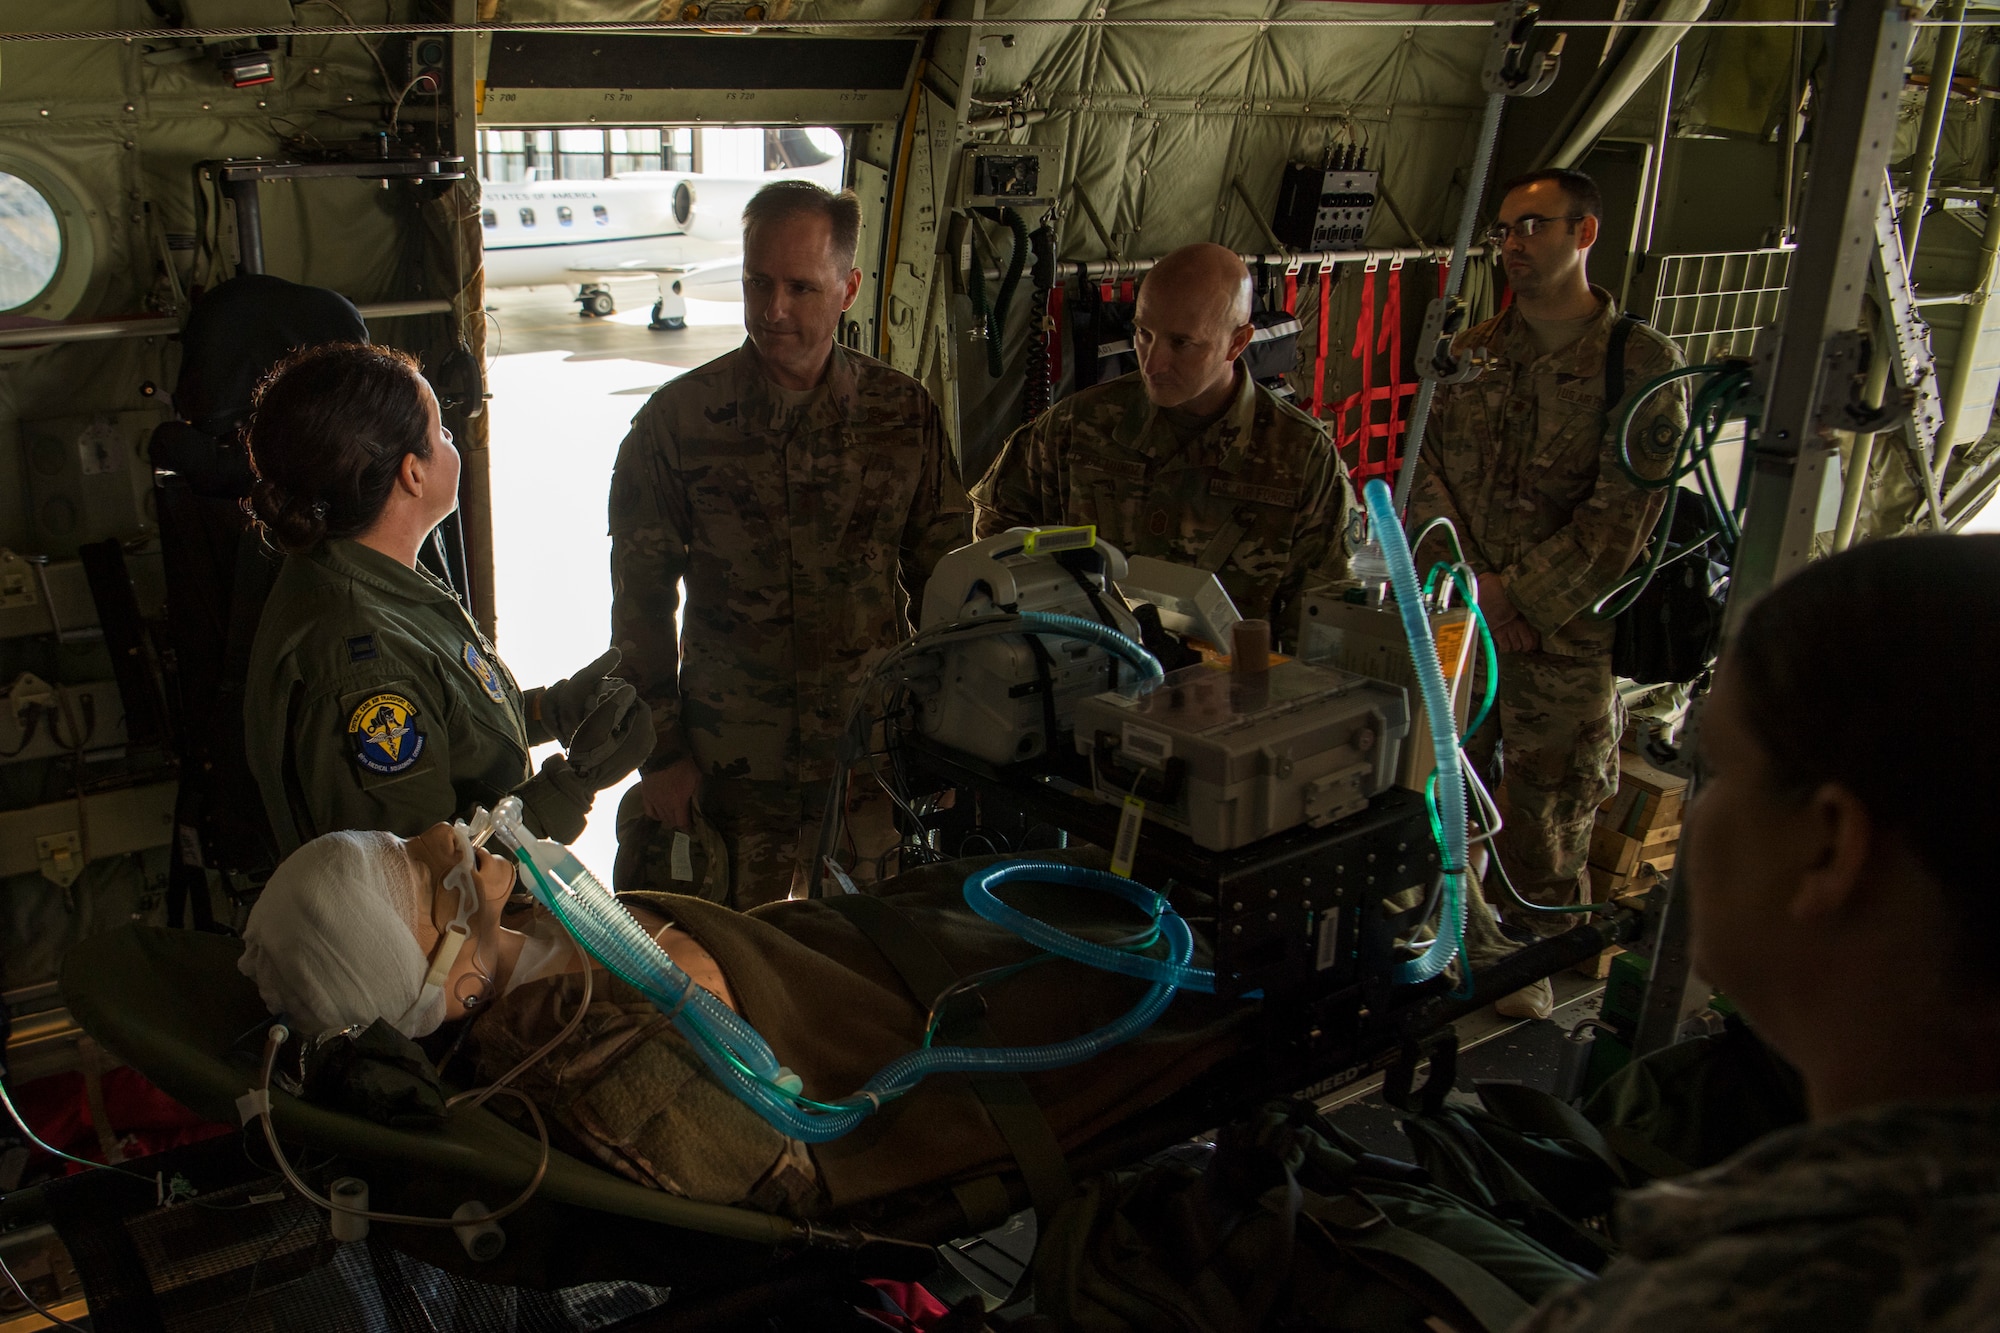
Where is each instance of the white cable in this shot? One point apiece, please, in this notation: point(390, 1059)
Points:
point(34, 1304)
point(502, 1083)
point(275, 1038)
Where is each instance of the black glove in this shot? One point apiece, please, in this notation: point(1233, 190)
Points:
point(613, 738)
point(567, 703)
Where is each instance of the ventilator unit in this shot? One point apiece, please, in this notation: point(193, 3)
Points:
point(1007, 697)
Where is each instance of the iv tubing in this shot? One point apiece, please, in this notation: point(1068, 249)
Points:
point(275, 1038)
point(1437, 712)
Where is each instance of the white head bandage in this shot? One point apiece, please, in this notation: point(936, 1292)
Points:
point(332, 941)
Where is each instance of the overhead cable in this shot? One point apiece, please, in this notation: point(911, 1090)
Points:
point(894, 25)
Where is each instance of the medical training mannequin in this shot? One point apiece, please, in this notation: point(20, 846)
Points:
point(349, 924)
point(1839, 861)
point(372, 700)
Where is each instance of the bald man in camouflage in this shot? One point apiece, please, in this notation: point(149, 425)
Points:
point(1188, 459)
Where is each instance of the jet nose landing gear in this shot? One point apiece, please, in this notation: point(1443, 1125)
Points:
point(670, 311)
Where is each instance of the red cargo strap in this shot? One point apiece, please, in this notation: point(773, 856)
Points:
point(1292, 290)
point(1316, 404)
point(1375, 336)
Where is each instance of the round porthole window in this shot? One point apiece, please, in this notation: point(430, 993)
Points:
point(31, 242)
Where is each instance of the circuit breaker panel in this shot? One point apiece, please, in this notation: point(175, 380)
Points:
point(1326, 207)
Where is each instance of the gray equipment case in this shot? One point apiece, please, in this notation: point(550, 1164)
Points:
point(1228, 759)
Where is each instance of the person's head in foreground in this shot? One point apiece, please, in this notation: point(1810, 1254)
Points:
point(1839, 851)
point(1844, 893)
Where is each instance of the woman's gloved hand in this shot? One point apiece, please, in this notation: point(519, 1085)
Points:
point(613, 738)
point(566, 704)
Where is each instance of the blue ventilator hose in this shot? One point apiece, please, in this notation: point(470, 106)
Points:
point(1450, 935)
point(1111, 640)
point(980, 898)
point(744, 1063)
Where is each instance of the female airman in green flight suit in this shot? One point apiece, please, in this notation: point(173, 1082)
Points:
point(373, 701)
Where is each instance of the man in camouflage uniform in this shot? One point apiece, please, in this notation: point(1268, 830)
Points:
point(1520, 461)
point(1188, 459)
point(791, 483)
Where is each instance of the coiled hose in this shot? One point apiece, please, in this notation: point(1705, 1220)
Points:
point(980, 898)
point(1438, 715)
point(1104, 636)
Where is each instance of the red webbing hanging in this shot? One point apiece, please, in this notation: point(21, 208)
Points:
point(1292, 294)
point(1373, 443)
point(1318, 404)
point(1364, 351)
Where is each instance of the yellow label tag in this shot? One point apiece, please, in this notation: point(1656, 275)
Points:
point(1125, 847)
point(1450, 638)
point(1045, 541)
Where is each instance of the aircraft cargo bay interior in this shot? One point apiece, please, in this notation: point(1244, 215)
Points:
point(980, 665)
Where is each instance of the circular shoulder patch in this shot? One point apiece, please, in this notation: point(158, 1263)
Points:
point(1664, 437)
point(482, 670)
point(385, 735)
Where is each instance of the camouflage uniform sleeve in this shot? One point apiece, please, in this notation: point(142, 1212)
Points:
point(1319, 538)
point(1012, 493)
point(1633, 1296)
point(1431, 497)
point(649, 554)
point(1574, 568)
point(939, 514)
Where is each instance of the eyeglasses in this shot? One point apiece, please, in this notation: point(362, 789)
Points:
point(1498, 233)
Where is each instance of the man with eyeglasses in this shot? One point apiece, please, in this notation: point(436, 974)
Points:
point(1521, 462)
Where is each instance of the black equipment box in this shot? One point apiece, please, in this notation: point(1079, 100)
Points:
point(1324, 209)
point(1302, 913)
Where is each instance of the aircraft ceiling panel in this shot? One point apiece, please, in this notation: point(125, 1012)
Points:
point(569, 79)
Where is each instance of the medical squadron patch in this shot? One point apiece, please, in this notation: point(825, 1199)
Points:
point(385, 735)
point(489, 679)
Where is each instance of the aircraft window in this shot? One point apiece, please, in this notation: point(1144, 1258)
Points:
point(527, 217)
point(488, 218)
point(564, 216)
point(600, 214)
point(31, 243)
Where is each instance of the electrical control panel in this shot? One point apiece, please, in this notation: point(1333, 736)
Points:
point(89, 478)
point(1326, 207)
point(1011, 175)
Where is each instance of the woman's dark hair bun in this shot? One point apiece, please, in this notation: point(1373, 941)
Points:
point(329, 429)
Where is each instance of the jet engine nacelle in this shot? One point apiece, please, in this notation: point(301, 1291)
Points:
point(712, 209)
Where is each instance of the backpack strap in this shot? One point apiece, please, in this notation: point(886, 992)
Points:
point(1006, 1098)
point(1355, 1224)
point(1614, 361)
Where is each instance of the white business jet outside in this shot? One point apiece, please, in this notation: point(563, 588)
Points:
point(682, 228)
